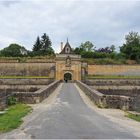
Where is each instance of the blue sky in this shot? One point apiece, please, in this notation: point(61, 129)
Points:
point(102, 22)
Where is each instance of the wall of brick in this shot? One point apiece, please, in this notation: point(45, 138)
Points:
point(114, 69)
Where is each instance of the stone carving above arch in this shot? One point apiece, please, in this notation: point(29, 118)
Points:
point(68, 61)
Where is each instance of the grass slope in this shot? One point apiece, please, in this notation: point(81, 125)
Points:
point(133, 116)
point(13, 117)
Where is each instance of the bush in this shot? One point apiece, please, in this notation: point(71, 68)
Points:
point(11, 100)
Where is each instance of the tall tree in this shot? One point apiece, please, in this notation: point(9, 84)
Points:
point(37, 46)
point(112, 48)
point(45, 42)
point(131, 48)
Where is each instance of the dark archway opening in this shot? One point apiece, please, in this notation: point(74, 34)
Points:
point(67, 77)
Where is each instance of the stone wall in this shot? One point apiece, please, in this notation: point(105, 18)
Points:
point(114, 70)
point(118, 88)
point(109, 101)
point(8, 86)
point(115, 82)
point(25, 81)
point(37, 96)
point(27, 69)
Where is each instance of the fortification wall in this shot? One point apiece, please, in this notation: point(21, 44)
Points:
point(25, 81)
point(27, 69)
point(114, 70)
point(112, 82)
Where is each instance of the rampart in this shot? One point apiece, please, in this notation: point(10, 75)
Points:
point(114, 70)
point(27, 69)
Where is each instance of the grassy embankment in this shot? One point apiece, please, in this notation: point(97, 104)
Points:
point(13, 117)
point(133, 116)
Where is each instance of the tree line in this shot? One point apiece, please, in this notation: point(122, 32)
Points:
point(43, 46)
point(130, 50)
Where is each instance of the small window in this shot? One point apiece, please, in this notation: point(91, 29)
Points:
point(67, 50)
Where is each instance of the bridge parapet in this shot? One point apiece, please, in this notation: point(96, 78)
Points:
point(107, 101)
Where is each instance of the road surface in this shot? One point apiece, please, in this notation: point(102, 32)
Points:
point(68, 117)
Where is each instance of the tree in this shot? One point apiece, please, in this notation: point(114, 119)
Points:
point(13, 50)
point(112, 48)
point(37, 46)
point(131, 48)
point(45, 42)
point(78, 50)
point(42, 46)
point(87, 46)
point(108, 50)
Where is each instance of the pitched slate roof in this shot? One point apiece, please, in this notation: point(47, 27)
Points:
point(67, 49)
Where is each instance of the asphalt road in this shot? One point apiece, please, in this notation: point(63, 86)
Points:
point(70, 118)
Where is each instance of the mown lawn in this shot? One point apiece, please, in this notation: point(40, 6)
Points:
point(133, 116)
point(13, 117)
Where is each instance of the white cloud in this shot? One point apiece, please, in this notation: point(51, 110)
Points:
point(103, 22)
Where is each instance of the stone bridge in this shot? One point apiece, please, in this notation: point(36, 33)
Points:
point(68, 114)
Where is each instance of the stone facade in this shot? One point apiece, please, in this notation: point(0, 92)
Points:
point(62, 66)
point(68, 63)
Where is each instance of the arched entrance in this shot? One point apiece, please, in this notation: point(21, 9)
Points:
point(67, 76)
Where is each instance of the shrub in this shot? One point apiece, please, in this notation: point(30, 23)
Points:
point(11, 100)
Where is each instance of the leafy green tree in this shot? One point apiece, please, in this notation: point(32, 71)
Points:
point(112, 48)
point(87, 46)
point(78, 50)
point(37, 46)
point(84, 48)
point(131, 48)
point(13, 50)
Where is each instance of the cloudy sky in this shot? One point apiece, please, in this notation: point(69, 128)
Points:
point(102, 22)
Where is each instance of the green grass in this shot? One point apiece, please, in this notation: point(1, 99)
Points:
point(111, 77)
point(13, 117)
point(133, 116)
point(24, 77)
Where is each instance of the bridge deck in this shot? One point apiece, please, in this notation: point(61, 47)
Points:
point(70, 117)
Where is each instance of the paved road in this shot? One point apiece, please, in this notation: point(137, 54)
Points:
point(70, 117)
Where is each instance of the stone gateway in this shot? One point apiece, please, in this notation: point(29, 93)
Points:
point(68, 64)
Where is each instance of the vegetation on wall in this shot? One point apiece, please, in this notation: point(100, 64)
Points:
point(129, 52)
point(131, 48)
point(42, 47)
point(13, 50)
